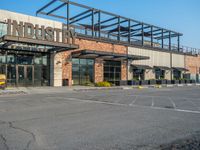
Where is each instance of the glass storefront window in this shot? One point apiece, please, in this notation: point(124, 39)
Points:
point(25, 68)
point(177, 74)
point(139, 74)
point(11, 58)
point(2, 58)
point(82, 71)
point(2, 69)
point(45, 60)
point(25, 59)
point(159, 74)
point(38, 60)
point(112, 71)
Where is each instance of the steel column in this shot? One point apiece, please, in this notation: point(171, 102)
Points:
point(178, 42)
point(93, 23)
point(142, 34)
point(99, 23)
point(129, 31)
point(170, 40)
point(151, 36)
point(119, 36)
point(162, 39)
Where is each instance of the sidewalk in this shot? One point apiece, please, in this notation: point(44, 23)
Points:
point(49, 89)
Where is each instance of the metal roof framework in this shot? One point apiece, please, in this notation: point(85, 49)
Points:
point(101, 23)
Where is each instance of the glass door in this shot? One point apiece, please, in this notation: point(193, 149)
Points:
point(24, 75)
point(21, 75)
point(29, 75)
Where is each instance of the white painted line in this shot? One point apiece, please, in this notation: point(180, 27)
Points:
point(133, 102)
point(174, 105)
point(118, 104)
point(192, 103)
point(152, 104)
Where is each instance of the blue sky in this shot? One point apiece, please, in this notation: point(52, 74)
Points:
point(178, 15)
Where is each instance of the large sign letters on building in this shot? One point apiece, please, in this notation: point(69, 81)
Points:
point(31, 31)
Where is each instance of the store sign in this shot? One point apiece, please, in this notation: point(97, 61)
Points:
point(34, 31)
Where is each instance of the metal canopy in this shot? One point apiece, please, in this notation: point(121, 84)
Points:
point(162, 68)
point(21, 43)
point(141, 66)
point(180, 69)
point(106, 25)
point(107, 55)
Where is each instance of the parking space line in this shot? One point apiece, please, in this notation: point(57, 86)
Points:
point(192, 103)
point(133, 105)
point(173, 103)
point(133, 102)
point(152, 104)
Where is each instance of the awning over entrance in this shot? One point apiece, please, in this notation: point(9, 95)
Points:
point(141, 66)
point(180, 69)
point(106, 55)
point(22, 43)
point(162, 68)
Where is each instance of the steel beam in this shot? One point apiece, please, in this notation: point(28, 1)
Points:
point(52, 15)
point(107, 20)
point(82, 18)
point(56, 8)
point(47, 5)
point(85, 12)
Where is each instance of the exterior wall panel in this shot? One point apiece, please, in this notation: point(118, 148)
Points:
point(157, 58)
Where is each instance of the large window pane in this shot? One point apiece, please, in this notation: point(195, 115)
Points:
point(11, 58)
point(2, 58)
point(25, 59)
point(2, 69)
point(112, 71)
point(82, 71)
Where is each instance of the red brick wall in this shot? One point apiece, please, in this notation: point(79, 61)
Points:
point(192, 63)
point(124, 70)
point(98, 67)
point(98, 70)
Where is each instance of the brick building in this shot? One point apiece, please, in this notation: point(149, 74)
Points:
point(38, 52)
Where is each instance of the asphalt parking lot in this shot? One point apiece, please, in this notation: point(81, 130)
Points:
point(59, 119)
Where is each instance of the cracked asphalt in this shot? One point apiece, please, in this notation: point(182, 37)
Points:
point(63, 119)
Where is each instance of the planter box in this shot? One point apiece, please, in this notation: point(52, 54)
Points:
point(144, 82)
point(192, 81)
point(187, 81)
point(181, 81)
point(133, 82)
point(152, 82)
point(161, 82)
point(169, 82)
point(123, 83)
point(175, 81)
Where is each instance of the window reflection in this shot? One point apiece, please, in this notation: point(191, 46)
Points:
point(82, 71)
point(112, 71)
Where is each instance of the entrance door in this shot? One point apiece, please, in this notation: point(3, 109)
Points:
point(25, 75)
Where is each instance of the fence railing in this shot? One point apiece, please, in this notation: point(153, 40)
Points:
point(105, 35)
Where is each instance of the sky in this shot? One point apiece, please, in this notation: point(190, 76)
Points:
point(178, 15)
